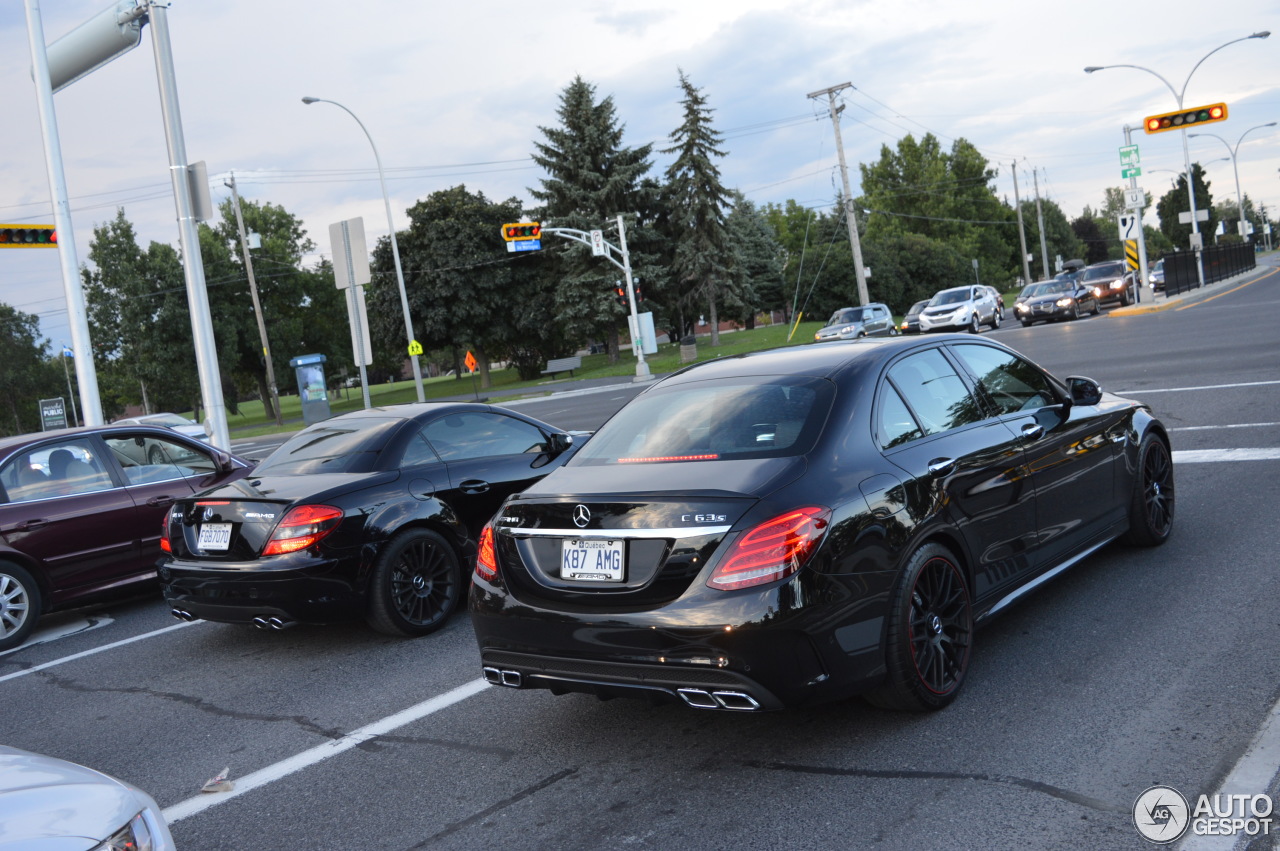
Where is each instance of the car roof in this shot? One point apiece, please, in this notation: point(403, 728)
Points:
point(411, 410)
point(15, 442)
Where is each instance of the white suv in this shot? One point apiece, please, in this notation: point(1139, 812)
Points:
point(961, 308)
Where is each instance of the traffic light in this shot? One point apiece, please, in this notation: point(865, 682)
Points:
point(1185, 118)
point(28, 236)
point(620, 293)
point(639, 293)
point(521, 231)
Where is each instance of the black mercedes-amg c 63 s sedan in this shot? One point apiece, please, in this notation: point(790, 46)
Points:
point(801, 525)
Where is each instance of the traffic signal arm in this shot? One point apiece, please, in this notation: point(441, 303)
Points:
point(1185, 118)
point(28, 236)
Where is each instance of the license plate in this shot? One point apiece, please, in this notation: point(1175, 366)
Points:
point(214, 536)
point(587, 560)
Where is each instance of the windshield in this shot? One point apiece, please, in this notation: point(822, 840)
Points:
point(844, 315)
point(917, 307)
point(332, 447)
point(1113, 270)
point(733, 418)
point(166, 420)
point(950, 297)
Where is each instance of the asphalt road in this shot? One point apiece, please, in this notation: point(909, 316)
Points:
point(1137, 667)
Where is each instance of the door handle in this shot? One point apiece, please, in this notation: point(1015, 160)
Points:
point(32, 525)
point(1032, 431)
point(474, 486)
point(163, 501)
point(942, 466)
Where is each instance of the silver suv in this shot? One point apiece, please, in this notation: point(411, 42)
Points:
point(849, 323)
point(961, 308)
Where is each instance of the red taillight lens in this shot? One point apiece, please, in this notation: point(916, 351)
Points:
point(486, 558)
point(165, 547)
point(301, 527)
point(773, 550)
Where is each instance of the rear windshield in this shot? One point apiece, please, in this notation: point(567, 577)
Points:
point(343, 446)
point(726, 419)
point(1109, 271)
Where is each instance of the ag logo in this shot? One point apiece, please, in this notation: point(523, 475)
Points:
point(1161, 814)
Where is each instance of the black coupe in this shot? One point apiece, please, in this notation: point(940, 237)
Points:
point(369, 514)
point(804, 524)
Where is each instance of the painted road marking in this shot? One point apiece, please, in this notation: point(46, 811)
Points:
point(1200, 456)
point(1216, 427)
point(307, 758)
point(1205, 387)
point(103, 648)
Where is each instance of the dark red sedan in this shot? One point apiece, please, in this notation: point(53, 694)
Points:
point(81, 511)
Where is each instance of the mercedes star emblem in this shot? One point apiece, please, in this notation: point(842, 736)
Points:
point(581, 516)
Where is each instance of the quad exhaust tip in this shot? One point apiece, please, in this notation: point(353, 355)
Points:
point(734, 700)
point(498, 677)
point(272, 622)
point(182, 614)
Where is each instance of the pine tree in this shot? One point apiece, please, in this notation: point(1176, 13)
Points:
point(591, 178)
point(696, 201)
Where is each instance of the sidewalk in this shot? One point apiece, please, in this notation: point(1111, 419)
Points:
point(1156, 302)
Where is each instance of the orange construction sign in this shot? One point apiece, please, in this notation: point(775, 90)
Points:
point(470, 362)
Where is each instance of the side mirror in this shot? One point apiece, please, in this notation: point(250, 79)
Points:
point(1084, 391)
point(558, 442)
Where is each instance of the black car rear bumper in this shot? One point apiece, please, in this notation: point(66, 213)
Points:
point(318, 591)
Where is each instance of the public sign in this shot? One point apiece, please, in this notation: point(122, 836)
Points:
point(1130, 172)
point(53, 414)
point(415, 348)
point(1129, 155)
point(470, 361)
point(597, 243)
point(1135, 199)
point(526, 245)
point(1129, 227)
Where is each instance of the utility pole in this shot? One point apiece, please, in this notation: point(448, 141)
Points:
point(1044, 246)
point(1022, 233)
point(859, 272)
point(257, 306)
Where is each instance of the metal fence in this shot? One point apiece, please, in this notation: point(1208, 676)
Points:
point(1220, 261)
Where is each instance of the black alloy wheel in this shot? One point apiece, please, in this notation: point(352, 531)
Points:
point(19, 605)
point(930, 634)
point(416, 584)
point(1152, 505)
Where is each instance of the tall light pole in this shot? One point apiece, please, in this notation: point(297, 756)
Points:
point(1235, 165)
point(395, 247)
point(1186, 153)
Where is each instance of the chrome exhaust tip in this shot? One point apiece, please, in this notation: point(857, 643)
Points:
point(182, 614)
point(735, 700)
point(499, 677)
point(261, 623)
point(698, 698)
point(280, 623)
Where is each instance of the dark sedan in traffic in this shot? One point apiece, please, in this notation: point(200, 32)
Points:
point(800, 525)
point(80, 513)
point(1056, 300)
point(370, 514)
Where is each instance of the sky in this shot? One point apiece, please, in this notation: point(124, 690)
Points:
point(455, 93)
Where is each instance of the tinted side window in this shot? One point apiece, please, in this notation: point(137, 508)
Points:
point(896, 426)
point(1012, 383)
point(418, 452)
point(482, 434)
point(146, 458)
point(937, 396)
point(66, 469)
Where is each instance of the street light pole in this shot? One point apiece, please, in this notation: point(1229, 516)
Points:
point(395, 247)
point(1235, 165)
point(1186, 153)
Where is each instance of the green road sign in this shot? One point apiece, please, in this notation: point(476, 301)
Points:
point(1129, 155)
point(1130, 172)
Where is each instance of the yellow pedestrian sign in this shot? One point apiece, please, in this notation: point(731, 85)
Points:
point(415, 348)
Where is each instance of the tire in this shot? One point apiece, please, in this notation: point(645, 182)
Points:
point(416, 584)
point(1097, 308)
point(19, 605)
point(996, 319)
point(1075, 312)
point(1151, 506)
point(155, 456)
point(1026, 324)
point(930, 634)
point(974, 325)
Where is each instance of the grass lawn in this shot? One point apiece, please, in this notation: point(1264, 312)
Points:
point(251, 421)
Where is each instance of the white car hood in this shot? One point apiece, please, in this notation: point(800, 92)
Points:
point(49, 804)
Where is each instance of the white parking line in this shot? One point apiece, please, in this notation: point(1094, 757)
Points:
point(103, 648)
point(1216, 427)
point(45, 634)
point(1252, 775)
point(1200, 456)
point(1205, 387)
point(307, 758)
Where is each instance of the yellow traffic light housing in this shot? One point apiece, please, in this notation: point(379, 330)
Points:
point(1193, 117)
point(521, 231)
point(28, 236)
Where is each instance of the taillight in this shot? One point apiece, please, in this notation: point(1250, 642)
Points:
point(302, 527)
point(486, 558)
point(165, 546)
point(773, 550)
